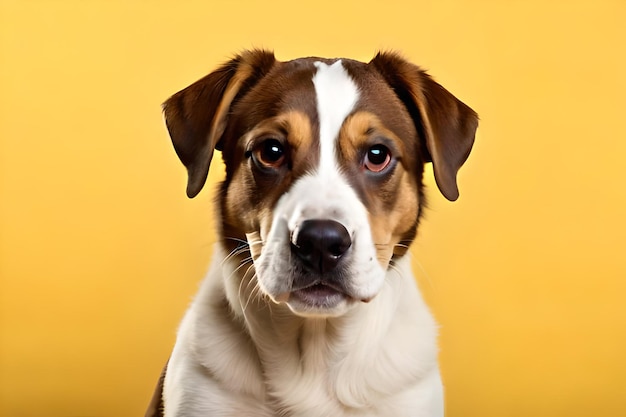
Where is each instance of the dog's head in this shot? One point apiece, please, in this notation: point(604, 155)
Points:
point(324, 162)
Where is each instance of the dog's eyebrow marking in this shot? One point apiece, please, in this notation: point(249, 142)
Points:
point(336, 96)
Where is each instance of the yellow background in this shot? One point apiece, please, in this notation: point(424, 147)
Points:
point(100, 250)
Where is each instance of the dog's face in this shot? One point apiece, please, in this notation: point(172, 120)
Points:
point(324, 163)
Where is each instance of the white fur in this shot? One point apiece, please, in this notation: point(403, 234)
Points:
point(336, 96)
point(240, 354)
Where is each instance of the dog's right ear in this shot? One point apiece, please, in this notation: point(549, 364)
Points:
point(196, 117)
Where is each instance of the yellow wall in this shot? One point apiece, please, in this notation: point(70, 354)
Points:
point(100, 250)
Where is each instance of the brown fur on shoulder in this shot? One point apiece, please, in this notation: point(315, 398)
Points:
point(155, 408)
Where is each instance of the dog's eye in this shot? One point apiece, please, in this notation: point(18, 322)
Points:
point(270, 154)
point(377, 158)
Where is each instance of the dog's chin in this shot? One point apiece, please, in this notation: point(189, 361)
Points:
point(317, 300)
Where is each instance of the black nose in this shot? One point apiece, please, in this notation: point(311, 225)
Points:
point(320, 244)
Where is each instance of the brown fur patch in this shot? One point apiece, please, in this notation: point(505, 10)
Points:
point(252, 194)
point(390, 197)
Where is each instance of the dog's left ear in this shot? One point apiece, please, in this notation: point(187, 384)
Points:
point(447, 125)
point(196, 117)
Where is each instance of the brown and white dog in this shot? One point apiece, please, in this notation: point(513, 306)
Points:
point(310, 307)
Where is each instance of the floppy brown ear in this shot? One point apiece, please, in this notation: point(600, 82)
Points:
point(197, 116)
point(446, 125)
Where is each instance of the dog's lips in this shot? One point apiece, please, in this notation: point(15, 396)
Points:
point(319, 295)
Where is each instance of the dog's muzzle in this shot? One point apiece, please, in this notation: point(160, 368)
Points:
point(318, 255)
point(320, 248)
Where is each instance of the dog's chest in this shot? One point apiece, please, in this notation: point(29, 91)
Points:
point(299, 366)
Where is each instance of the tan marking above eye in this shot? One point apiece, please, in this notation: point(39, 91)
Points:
point(298, 126)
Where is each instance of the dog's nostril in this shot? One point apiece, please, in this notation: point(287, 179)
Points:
point(320, 244)
point(338, 249)
point(304, 248)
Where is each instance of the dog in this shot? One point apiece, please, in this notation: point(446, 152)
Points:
point(310, 307)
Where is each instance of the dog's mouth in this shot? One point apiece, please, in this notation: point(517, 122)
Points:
point(318, 298)
point(319, 295)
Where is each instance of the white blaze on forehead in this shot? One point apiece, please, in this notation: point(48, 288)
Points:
point(336, 96)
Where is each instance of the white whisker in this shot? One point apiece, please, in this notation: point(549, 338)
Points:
point(430, 282)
